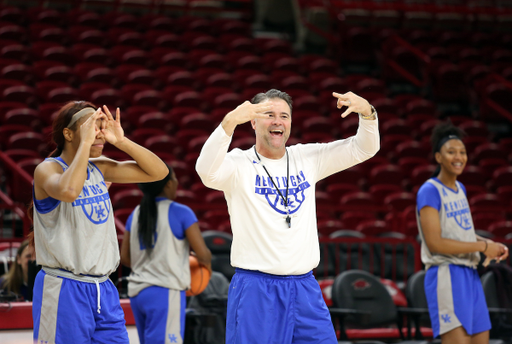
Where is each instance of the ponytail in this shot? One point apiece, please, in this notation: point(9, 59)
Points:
point(148, 213)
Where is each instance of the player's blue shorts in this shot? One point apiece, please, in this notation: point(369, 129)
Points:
point(66, 310)
point(456, 298)
point(159, 315)
point(265, 308)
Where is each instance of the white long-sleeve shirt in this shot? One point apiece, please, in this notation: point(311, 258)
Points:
point(262, 239)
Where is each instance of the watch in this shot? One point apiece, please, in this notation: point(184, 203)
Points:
point(371, 116)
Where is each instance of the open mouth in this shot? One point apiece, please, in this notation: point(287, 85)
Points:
point(276, 133)
point(457, 165)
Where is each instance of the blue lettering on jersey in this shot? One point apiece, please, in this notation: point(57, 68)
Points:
point(96, 206)
point(295, 192)
point(172, 338)
point(460, 212)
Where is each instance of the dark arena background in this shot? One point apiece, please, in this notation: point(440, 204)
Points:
point(176, 67)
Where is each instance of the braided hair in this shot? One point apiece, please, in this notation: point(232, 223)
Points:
point(148, 212)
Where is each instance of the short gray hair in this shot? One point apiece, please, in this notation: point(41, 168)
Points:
point(271, 94)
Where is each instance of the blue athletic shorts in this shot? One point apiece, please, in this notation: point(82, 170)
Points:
point(264, 308)
point(456, 298)
point(66, 311)
point(159, 315)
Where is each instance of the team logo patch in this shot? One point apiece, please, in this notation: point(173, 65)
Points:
point(95, 203)
point(296, 196)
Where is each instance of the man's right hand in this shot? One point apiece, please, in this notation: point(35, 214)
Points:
point(244, 113)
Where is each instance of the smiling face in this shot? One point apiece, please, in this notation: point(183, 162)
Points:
point(273, 132)
point(452, 157)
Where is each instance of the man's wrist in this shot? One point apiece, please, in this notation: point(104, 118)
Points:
point(372, 116)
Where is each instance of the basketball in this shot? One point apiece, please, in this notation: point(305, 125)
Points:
point(199, 277)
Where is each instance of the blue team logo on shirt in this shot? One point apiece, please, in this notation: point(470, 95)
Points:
point(95, 203)
point(297, 185)
point(459, 210)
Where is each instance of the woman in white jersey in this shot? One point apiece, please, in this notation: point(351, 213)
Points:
point(156, 247)
point(75, 238)
point(450, 248)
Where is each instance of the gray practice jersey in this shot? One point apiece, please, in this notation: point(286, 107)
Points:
point(455, 219)
point(168, 264)
point(80, 236)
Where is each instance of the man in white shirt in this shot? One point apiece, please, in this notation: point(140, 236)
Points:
point(270, 192)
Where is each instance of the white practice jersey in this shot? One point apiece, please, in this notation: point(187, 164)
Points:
point(455, 220)
point(262, 240)
point(80, 236)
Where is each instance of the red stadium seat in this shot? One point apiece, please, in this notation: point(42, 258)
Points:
point(488, 150)
point(408, 164)
point(87, 89)
point(421, 174)
point(28, 117)
point(215, 197)
point(121, 214)
point(391, 174)
point(29, 164)
point(373, 227)
point(26, 140)
point(400, 201)
point(410, 150)
point(21, 94)
point(490, 201)
point(156, 120)
point(150, 98)
point(140, 135)
point(380, 191)
point(101, 74)
point(21, 154)
point(62, 95)
point(326, 227)
point(473, 190)
point(17, 71)
point(161, 143)
point(394, 127)
point(195, 145)
point(108, 96)
point(338, 190)
point(352, 219)
point(504, 193)
point(216, 217)
point(472, 175)
point(482, 220)
point(361, 199)
point(501, 228)
point(127, 199)
point(475, 128)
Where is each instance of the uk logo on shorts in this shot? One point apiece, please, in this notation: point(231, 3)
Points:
point(95, 202)
point(296, 197)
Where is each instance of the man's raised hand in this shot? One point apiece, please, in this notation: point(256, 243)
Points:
point(353, 102)
point(244, 113)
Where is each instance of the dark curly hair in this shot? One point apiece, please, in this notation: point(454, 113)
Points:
point(440, 135)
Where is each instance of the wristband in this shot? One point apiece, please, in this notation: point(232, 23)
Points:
point(485, 247)
point(371, 116)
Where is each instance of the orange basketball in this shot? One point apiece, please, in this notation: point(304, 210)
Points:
point(199, 277)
